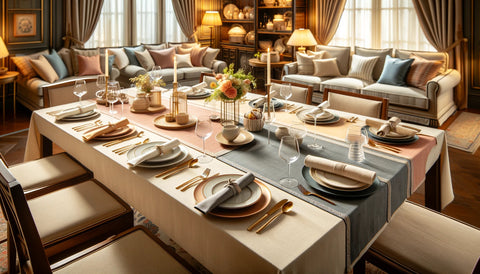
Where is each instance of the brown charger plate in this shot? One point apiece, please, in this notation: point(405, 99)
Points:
point(162, 123)
point(116, 134)
point(260, 205)
point(149, 109)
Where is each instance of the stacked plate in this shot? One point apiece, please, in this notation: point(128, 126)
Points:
point(118, 133)
point(176, 156)
point(391, 138)
point(322, 119)
point(276, 103)
point(251, 200)
point(82, 116)
point(204, 93)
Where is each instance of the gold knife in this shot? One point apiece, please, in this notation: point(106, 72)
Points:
point(270, 212)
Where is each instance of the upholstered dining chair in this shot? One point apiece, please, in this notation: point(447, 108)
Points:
point(62, 93)
point(208, 78)
point(132, 251)
point(366, 105)
point(300, 93)
point(70, 217)
point(421, 240)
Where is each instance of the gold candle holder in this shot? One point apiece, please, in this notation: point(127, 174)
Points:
point(267, 88)
point(178, 104)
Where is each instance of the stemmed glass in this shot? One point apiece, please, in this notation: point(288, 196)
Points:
point(101, 82)
point(286, 93)
point(268, 117)
point(289, 151)
point(315, 145)
point(298, 130)
point(80, 89)
point(204, 129)
point(156, 73)
point(112, 95)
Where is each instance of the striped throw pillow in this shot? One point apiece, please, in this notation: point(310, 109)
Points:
point(362, 67)
point(422, 71)
point(24, 66)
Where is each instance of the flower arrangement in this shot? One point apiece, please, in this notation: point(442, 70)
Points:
point(145, 83)
point(232, 85)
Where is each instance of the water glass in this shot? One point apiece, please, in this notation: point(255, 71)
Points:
point(286, 93)
point(289, 151)
point(357, 140)
point(80, 89)
point(268, 117)
point(315, 145)
point(203, 129)
point(112, 95)
point(156, 73)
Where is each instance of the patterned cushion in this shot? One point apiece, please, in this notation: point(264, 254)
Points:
point(209, 57)
point(422, 71)
point(381, 53)
point(305, 62)
point(341, 53)
point(57, 64)
point(24, 66)
point(395, 71)
point(121, 58)
point(429, 55)
point(326, 67)
point(89, 65)
point(163, 57)
point(183, 61)
point(362, 67)
point(145, 59)
point(44, 69)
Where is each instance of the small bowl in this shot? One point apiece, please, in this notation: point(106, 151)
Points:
point(253, 124)
point(265, 44)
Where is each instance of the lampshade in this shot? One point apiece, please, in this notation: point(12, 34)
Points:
point(211, 18)
point(302, 38)
point(3, 49)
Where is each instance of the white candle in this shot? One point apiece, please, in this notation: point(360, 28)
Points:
point(268, 66)
point(106, 62)
point(174, 69)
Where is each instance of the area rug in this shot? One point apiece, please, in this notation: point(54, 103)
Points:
point(464, 132)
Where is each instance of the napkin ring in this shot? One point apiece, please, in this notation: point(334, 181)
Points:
point(234, 186)
point(339, 168)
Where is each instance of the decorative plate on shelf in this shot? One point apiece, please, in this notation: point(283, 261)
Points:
point(229, 10)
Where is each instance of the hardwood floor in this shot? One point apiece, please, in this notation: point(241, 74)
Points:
point(465, 170)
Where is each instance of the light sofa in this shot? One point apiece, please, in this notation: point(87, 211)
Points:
point(429, 104)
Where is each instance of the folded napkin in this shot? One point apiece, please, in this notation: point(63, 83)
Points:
point(391, 125)
point(318, 109)
point(199, 87)
point(349, 171)
point(76, 110)
point(159, 150)
point(105, 129)
point(260, 101)
point(230, 190)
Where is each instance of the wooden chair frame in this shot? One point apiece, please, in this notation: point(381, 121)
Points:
point(309, 92)
point(51, 88)
point(384, 110)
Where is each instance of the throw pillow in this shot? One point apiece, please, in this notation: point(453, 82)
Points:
point(24, 66)
point(145, 59)
point(341, 53)
point(121, 58)
point(422, 71)
point(66, 56)
point(57, 64)
point(381, 53)
point(82, 52)
point(326, 67)
point(44, 69)
point(89, 65)
point(155, 47)
point(163, 57)
point(305, 62)
point(362, 67)
point(209, 57)
point(197, 56)
point(130, 51)
point(183, 61)
point(395, 71)
point(428, 55)
point(181, 50)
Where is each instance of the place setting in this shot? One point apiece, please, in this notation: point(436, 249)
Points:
point(260, 102)
point(390, 132)
point(318, 115)
point(111, 131)
point(157, 154)
point(79, 113)
point(233, 135)
point(198, 91)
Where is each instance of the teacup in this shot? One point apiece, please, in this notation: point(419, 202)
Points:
point(230, 132)
point(182, 118)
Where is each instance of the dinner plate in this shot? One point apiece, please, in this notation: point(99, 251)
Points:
point(335, 181)
point(276, 103)
point(230, 8)
point(389, 136)
point(324, 116)
point(199, 95)
point(243, 138)
point(84, 116)
point(119, 132)
point(339, 193)
point(247, 197)
point(174, 161)
point(390, 141)
point(260, 205)
point(301, 115)
point(145, 148)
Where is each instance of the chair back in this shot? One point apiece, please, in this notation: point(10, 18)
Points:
point(24, 233)
point(361, 104)
point(208, 78)
point(62, 93)
point(300, 93)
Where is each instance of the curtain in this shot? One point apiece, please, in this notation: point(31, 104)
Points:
point(149, 27)
point(441, 22)
point(185, 13)
point(328, 13)
point(82, 17)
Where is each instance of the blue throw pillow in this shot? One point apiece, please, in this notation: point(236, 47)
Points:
point(131, 55)
point(57, 63)
point(111, 59)
point(395, 71)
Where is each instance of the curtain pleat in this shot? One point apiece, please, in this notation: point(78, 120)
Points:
point(185, 14)
point(328, 13)
point(82, 18)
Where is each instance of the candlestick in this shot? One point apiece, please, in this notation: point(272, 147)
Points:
point(106, 62)
point(268, 67)
point(267, 88)
point(174, 69)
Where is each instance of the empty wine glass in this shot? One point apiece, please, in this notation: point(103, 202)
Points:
point(289, 151)
point(80, 89)
point(286, 93)
point(268, 117)
point(315, 144)
point(203, 129)
point(101, 82)
point(112, 95)
point(156, 73)
point(298, 130)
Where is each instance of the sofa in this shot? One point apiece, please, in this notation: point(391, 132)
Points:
point(418, 84)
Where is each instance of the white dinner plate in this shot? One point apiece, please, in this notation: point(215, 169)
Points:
point(183, 154)
point(82, 116)
point(247, 197)
point(336, 182)
point(161, 158)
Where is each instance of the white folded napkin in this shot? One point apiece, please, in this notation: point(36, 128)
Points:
point(159, 150)
point(75, 110)
point(260, 101)
point(199, 87)
point(392, 125)
point(349, 171)
point(318, 109)
point(105, 129)
point(230, 190)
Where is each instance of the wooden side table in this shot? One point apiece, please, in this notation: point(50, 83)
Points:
point(5, 79)
point(257, 64)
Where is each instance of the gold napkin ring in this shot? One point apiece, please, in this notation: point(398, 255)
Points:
point(234, 186)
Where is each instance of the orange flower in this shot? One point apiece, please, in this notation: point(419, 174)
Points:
point(213, 85)
point(231, 92)
point(225, 85)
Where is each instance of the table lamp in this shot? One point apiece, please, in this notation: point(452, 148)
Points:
point(302, 38)
point(211, 19)
point(3, 53)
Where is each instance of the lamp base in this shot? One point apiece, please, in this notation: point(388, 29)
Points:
point(301, 49)
point(3, 70)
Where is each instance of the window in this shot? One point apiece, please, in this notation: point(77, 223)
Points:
point(172, 34)
point(381, 24)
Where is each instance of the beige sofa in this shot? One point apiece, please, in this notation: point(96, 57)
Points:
point(429, 105)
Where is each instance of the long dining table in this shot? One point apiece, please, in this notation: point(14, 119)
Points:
point(314, 237)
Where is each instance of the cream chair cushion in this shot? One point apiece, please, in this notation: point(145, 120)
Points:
point(356, 105)
point(46, 171)
point(299, 94)
point(428, 242)
point(72, 209)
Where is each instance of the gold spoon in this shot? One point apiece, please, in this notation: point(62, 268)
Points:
point(285, 208)
point(191, 163)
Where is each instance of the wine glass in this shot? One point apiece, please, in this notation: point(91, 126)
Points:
point(298, 130)
point(268, 117)
point(112, 95)
point(203, 129)
point(315, 144)
point(101, 82)
point(286, 93)
point(289, 151)
point(80, 89)
point(156, 73)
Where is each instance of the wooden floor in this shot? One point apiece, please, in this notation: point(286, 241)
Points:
point(465, 170)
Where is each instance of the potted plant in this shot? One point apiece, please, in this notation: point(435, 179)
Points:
point(257, 55)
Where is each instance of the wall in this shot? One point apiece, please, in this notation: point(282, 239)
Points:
point(472, 32)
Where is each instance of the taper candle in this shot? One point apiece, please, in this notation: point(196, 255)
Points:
point(268, 66)
point(174, 68)
point(106, 62)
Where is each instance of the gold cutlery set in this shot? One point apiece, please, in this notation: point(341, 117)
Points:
point(178, 168)
point(295, 110)
point(91, 125)
point(125, 149)
point(196, 180)
point(284, 206)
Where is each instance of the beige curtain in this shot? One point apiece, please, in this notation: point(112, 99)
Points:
point(328, 14)
point(441, 22)
point(81, 19)
point(185, 13)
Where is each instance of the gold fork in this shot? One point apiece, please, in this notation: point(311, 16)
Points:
point(306, 192)
point(87, 125)
point(118, 141)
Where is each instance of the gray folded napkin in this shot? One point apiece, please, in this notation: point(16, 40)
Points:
point(226, 193)
point(199, 87)
point(159, 150)
point(75, 110)
point(318, 110)
point(260, 101)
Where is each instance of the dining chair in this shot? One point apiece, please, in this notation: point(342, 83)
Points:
point(70, 217)
point(361, 104)
point(62, 93)
point(420, 240)
point(208, 78)
point(300, 93)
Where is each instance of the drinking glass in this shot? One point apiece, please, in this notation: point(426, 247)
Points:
point(315, 145)
point(204, 129)
point(357, 139)
point(112, 95)
point(268, 117)
point(286, 93)
point(289, 151)
point(298, 130)
point(80, 89)
point(101, 82)
point(156, 73)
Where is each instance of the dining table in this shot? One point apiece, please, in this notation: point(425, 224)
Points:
point(315, 236)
